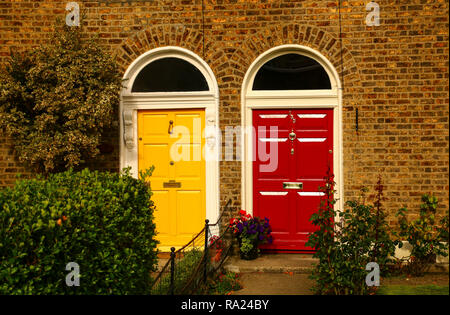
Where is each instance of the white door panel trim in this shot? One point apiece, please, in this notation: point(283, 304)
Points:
point(311, 139)
point(310, 193)
point(273, 193)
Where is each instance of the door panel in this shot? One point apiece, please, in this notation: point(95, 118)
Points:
point(189, 206)
point(303, 152)
point(171, 140)
point(159, 153)
point(274, 205)
point(162, 218)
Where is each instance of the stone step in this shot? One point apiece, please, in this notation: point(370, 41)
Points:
point(272, 263)
point(295, 263)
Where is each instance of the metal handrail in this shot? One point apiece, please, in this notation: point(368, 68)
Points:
point(204, 259)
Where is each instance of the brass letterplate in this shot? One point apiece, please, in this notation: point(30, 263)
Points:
point(172, 184)
point(293, 185)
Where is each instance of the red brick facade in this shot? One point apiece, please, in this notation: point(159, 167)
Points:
point(395, 74)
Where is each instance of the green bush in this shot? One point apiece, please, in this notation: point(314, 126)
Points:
point(345, 247)
point(57, 99)
point(101, 221)
point(427, 238)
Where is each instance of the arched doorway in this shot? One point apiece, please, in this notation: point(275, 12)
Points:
point(291, 103)
point(169, 117)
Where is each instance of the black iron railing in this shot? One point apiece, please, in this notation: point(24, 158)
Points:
point(188, 268)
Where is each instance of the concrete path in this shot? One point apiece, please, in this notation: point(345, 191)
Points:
point(274, 274)
point(275, 284)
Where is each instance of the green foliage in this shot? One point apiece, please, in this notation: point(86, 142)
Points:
point(184, 270)
point(101, 221)
point(246, 245)
point(426, 238)
point(56, 100)
point(345, 247)
point(413, 290)
point(224, 284)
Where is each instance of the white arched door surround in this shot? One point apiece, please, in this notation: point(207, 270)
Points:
point(289, 99)
point(208, 100)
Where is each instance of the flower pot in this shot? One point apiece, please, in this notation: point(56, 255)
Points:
point(250, 255)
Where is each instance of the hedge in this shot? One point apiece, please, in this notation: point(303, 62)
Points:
point(101, 221)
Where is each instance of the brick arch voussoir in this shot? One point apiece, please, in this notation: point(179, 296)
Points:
point(154, 37)
point(311, 36)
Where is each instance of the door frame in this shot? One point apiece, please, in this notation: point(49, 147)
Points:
point(131, 102)
point(289, 99)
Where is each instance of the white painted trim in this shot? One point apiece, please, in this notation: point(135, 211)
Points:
point(311, 139)
point(208, 100)
point(273, 139)
point(316, 99)
point(311, 193)
point(273, 193)
point(307, 116)
point(273, 116)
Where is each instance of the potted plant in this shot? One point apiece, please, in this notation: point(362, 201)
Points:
point(250, 233)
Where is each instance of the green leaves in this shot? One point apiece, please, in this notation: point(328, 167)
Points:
point(56, 100)
point(426, 238)
point(79, 217)
point(345, 246)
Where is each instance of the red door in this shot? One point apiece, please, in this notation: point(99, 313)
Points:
point(292, 153)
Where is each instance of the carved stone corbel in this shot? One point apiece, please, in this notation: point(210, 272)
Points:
point(211, 132)
point(128, 134)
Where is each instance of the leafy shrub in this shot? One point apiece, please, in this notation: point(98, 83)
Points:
point(344, 248)
point(426, 238)
point(224, 284)
point(101, 221)
point(56, 100)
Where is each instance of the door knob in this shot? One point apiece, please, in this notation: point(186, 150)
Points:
point(292, 136)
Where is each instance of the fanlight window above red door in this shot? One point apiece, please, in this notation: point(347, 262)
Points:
point(170, 75)
point(292, 72)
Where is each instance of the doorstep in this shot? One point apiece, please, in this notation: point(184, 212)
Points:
point(277, 263)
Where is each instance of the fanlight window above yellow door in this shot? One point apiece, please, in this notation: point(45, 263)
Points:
point(170, 75)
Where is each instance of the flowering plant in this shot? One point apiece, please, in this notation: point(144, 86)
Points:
point(216, 245)
point(251, 232)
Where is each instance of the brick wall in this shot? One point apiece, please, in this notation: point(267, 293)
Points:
point(395, 74)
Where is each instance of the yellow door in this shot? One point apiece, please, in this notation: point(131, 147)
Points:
point(172, 141)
